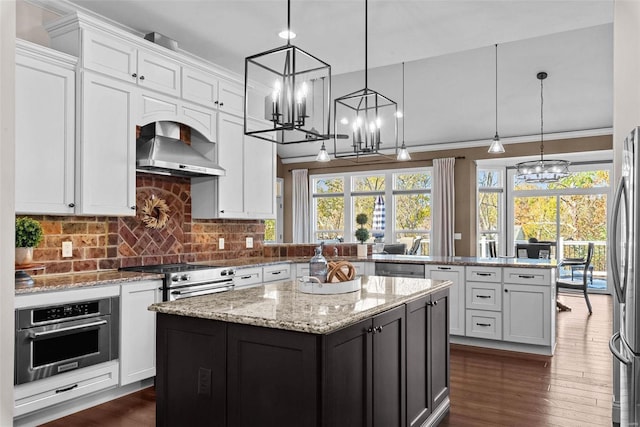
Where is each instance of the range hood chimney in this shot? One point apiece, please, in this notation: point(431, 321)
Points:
point(159, 150)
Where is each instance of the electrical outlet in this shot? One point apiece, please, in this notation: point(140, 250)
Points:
point(249, 242)
point(67, 249)
point(457, 236)
point(221, 243)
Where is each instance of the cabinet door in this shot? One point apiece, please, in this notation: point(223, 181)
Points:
point(348, 377)
point(107, 180)
point(109, 55)
point(456, 294)
point(45, 137)
point(418, 390)
point(260, 178)
point(158, 73)
point(389, 368)
point(231, 98)
point(138, 330)
point(230, 156)
point(527, 314)
point(439, 347)
point(199, 87)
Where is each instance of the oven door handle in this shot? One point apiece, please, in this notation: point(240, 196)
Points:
point(34, 335)
point(214, 289)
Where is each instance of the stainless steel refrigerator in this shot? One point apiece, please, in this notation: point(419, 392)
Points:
point(624, 239)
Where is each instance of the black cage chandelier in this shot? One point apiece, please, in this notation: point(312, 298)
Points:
point(291, 78)
point(366, 118)
point(542, 171)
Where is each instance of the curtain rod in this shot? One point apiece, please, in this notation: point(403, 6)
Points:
point(379, 163)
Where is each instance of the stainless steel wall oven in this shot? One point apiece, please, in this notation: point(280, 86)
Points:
point(55, 339)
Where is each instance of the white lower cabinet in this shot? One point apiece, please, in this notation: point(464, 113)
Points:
point(247, 277)
point(484, 324)
point(138, 330)
point(527, 314)
point(456, 294)
point(61, 388)
point(276, 272)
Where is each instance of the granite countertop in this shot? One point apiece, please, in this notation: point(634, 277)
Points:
point(281, 306)
point(79, 280)
point(466, 261)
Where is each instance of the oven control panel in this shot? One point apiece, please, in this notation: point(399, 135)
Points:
point(65, 311)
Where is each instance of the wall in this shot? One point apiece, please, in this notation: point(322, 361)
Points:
point(103, 243)
point(465, 176)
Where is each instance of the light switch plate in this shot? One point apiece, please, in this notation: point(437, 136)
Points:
point(457, 236)
point(249, 242)
point(221, 243)
point(67, 249)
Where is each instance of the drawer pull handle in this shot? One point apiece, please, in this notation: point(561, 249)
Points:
point(483, 324)
point(444, 268)
point(62, 390)
point(483, 296)
point(484, 274)
point(246, 277)
point(276, 272)
point(526, 276)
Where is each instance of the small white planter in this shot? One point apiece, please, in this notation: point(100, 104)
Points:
point(24, 256)
point(362, 250)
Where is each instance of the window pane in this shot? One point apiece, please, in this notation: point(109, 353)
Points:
point(586, 179)
point(412, 181)
point(535, 217)
point(489, 179)
point(329, 217)
point(488, 211)
point(269, 230)
point(368, 183)
point(328, 185)
point(413, 211)
point(364, 204)
point(408, 238)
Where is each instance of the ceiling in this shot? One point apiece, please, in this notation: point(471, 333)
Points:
point(448, 47)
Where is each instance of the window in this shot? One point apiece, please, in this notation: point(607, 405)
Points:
point(337, 199)
point(490, 208)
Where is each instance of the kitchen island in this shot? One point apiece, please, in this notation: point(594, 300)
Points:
point(274, 356)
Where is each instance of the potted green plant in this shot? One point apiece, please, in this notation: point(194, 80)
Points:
point(28, 235)
point(362, 234)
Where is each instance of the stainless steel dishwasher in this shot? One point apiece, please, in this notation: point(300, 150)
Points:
point(400, 269)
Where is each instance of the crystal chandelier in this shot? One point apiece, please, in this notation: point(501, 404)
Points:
point(542, 171)
point(367, 118)
point(496, 146)
point(289, 76)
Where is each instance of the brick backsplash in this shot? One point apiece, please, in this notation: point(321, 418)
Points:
point(105, 243)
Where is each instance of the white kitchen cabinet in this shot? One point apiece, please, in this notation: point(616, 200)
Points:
point(211, 91)
point(276, 272)
point(106, 181)
point(247, 189)
point(138, 330)
point(231, 98)
point(528, 301)
point(248, 277)
point(45, 130)
point(457, 301)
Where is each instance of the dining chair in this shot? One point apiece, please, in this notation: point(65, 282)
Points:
point(492, 249)
point(580, 284)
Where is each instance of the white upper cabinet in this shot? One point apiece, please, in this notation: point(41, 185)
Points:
point(45, 130)
point(209, 90)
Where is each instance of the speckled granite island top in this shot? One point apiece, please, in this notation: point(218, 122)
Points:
point(282, 306)
point(466, 261)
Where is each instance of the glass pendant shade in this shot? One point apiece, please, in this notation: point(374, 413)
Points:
point(496, 146)
point(403, 154)
point(285, 87)
point(323, 156)
point(542, 171)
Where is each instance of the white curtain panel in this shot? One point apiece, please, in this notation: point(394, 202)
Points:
point(443, 208)
point(301, 223)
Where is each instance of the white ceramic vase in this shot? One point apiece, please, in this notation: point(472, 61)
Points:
point(24, 256)
point(362, 250)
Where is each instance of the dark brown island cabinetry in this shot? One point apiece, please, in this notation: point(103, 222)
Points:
point(391, 369)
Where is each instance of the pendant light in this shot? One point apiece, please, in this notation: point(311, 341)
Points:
point(323, 156)
point(288, 76)
point(542, 171)
point(496, 146)
point(403, 154)
point(368, 118)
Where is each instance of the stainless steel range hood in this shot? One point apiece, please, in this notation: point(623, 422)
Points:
point(159, 150)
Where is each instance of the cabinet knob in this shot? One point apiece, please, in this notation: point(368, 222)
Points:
point(216, 102)
point(435, 302)
point(133, 207)
point(221, 104)
point(371, 330)
point(506, 290)
point(72, 205)
point(222, 211)
point(134, 75)
point(141, 77)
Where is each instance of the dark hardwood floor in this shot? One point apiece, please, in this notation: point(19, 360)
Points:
point(572, 388)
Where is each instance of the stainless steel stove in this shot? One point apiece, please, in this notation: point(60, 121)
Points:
point(189, 280)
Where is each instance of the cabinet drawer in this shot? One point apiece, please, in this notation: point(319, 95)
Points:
point(247, 277)
point(302, 269)
point(527, 276)
point(484, 296)
point(272, 273)
point(40, 394)
point(484, 324)
point(484, 274)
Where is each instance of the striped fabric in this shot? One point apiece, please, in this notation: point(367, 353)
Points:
point(379, 217)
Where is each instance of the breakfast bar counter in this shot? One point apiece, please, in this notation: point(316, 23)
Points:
point(275, 356)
